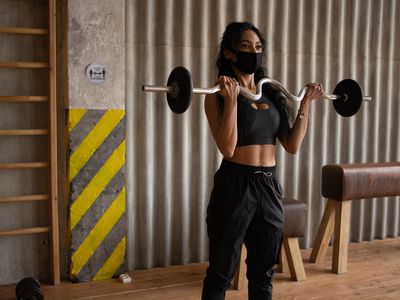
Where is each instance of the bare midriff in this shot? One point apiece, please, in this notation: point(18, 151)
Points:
point(254, 155)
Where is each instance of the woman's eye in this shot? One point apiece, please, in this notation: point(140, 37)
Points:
point(258, 48)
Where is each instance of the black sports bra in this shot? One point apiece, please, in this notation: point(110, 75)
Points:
point(258, 122)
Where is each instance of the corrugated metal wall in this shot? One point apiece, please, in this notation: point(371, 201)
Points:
point(171, 158)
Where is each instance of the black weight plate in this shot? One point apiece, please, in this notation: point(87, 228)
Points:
point(32, 294)
point(349, 107)
point(28, 286)
point(180, 98)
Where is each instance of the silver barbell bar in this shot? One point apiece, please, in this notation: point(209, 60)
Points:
point(247, 93)
point(180, 88)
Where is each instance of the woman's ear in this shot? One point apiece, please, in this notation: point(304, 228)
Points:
point(229, 55)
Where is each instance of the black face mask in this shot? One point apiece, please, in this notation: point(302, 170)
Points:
point(248, 62)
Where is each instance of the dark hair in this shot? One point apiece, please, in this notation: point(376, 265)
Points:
point(230, 40)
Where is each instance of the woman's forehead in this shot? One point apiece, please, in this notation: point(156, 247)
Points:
point(249, 35)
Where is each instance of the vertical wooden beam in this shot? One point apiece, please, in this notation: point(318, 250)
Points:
point(324, 233)
point(239, 280)
point(55, 253)
point(294, 259)
point(341, 236)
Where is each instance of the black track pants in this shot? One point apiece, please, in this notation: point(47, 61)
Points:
point(245, 205)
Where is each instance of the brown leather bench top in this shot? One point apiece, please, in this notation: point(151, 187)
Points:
point(361, 180)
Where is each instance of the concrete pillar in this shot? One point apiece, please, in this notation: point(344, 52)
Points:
point(96, 126)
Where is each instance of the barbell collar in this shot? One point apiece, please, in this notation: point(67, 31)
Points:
point(156, 88)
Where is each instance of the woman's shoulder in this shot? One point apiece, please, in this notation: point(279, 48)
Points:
point(271, 91)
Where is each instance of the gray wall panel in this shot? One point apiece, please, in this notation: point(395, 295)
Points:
point(172, 158)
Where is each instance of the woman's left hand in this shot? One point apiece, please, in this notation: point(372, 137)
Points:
point(314, 91)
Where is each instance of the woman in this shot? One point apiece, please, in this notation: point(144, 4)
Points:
point(246, 201)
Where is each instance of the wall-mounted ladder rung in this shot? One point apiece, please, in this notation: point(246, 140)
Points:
point(24, 98)
point(24, 132)
point(24, 64)
point(25, 165)
point(29, 230)
point(24, 198)
point(22, 30)
point(48, 109)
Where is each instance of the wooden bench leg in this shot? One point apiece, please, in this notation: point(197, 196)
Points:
point(239, 280)
point(294, 259)
point(290, 251)
point(324, 233)
point(282, 265)
point(341, 236)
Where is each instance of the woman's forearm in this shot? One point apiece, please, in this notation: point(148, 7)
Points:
point(299, 129)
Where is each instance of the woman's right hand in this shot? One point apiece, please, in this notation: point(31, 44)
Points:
point(229, 89)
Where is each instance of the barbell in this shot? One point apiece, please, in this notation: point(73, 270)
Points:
point(347, 96)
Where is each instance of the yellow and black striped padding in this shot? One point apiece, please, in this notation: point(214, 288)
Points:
point(97, 193)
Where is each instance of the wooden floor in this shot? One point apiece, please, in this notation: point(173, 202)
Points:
point(373, 273)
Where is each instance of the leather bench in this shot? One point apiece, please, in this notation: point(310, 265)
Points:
point(342, 183)
point(295, 222)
